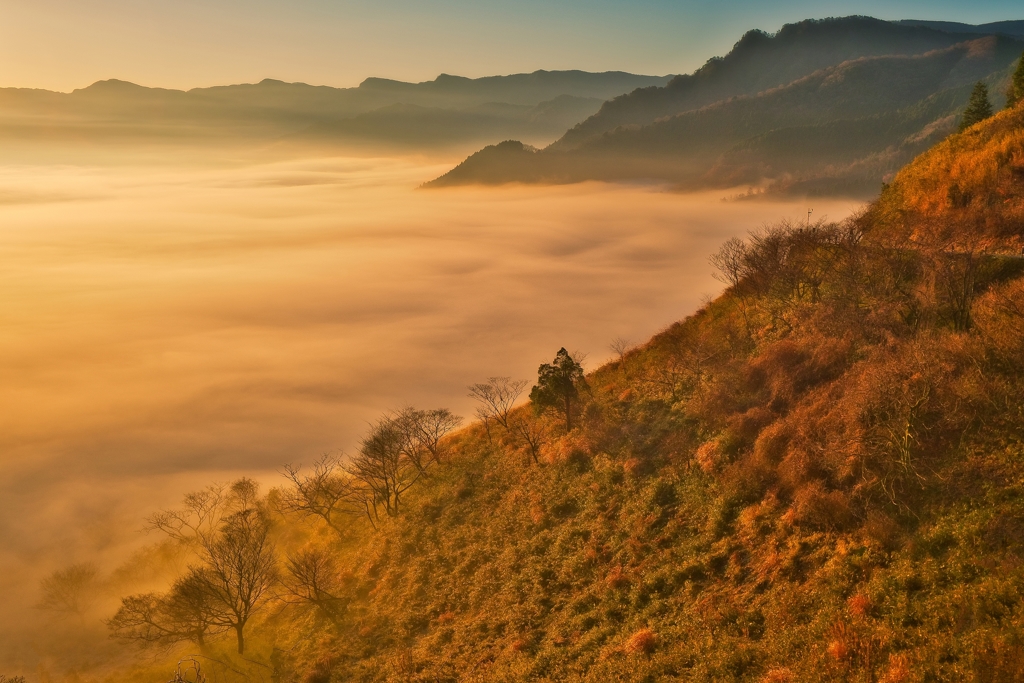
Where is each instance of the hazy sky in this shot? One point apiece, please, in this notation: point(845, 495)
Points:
point(66, 44)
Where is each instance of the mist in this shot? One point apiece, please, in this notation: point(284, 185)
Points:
point(165, 325)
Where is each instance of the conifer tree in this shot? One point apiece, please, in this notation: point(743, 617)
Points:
point(558, 385)
point(978, 109)
point(1015, 93)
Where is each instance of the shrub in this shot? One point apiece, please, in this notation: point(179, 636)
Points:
point(642, 642)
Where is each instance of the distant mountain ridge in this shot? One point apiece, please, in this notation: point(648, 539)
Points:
point(760, 61)
point(531, 104)
point(829, 105)
point(1006, 28)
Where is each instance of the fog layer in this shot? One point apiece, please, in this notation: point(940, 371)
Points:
point(162, 327)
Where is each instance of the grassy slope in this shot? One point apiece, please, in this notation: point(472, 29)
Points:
point(816, 477)
point(974, 179)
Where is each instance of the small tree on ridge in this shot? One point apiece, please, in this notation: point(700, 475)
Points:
point(978, 108)
point(1015, 93)
point(558, 385)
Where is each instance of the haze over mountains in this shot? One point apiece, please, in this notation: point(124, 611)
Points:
point(823, 106)
point(830, 106)
point(380, 112)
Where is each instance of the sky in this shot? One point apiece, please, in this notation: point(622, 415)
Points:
point(68, 44)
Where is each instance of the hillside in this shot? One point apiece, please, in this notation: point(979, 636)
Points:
point(828, 107)
point(1006, 28)
point(819, 476)
point(816, 477)
point(760, 62)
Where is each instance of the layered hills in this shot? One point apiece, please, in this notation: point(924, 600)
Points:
point(822, 106)
point(379, 112)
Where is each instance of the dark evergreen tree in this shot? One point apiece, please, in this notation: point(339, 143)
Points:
point(978, 109)
point(558, 385)
point(1015, 93)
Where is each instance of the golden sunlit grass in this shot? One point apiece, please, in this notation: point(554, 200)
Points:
point(976, 176)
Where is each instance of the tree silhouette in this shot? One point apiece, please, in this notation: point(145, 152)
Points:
point(312, 577)
point(382, 469)
point(497, 397)
point(229, 532)
point(558, 385)
point(240, 569)
point(185, 613)
point(70, 590)
point(978, 108)
point(1015, 93)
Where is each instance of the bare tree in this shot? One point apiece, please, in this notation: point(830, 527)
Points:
point(497, 397)
point(327, 493)
point(382, 471)
point(620, 346)
point(530, 432)
point(230, 530)
point(241, 568)
point(69, 591)
point(198, 517)
point(424, 431)
point(312, 578)
point(186, 613)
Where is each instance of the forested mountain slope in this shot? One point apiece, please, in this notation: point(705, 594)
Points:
point(1006, 28)
point(838, 129)
point(761, 61)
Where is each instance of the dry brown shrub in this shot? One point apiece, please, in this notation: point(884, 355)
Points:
point(754, 521)
point(999, 316)
point(838, 649)
point(773, 441)
point(778, 674)
point(747, 425)
point(572, 445)
point(881, 530)
point(616, 578)
point(633, 467)
point(898, 670)
point(642, 642)
point(708, 456)
point(859, 605)
point(818, 508)
point(789, 368)
point(750, 477)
